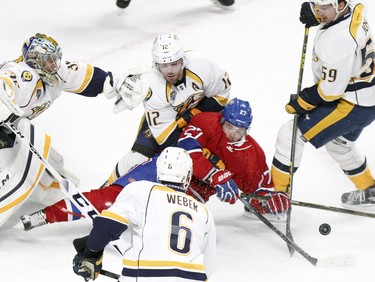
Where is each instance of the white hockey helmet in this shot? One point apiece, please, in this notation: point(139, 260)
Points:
point(174, 166)
point(334, 3)
point(43, 54)
point(167, 48)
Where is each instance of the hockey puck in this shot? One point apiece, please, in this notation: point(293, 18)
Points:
point(325, 229)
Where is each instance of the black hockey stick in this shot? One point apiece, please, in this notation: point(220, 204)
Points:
point(316, 206)
point(294, 137)
point(109, 274)
point(327, 262)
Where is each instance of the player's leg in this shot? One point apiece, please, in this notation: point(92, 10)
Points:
point(64, 210)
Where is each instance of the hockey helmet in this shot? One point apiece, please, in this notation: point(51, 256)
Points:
point(174, 166)
point(167, 48)
point(238, 112)
point(43, 54)
point(334, 3)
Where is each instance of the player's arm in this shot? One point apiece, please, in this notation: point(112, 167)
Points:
point(333, 79)
point(83, 79)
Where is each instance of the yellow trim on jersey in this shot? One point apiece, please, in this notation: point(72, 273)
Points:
point(221, 100)
point(342, 110)
point(7, 80)
point(193, 76)
point(162, 264)
point(163, 188)
point(86, 81)
point(356, 20)
point(328, 98)
point(164, 135)
point(20, 199)
point(114, 216)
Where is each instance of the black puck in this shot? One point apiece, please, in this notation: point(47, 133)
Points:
point(325, 229)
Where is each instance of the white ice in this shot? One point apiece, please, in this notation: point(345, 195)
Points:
point(259, 43)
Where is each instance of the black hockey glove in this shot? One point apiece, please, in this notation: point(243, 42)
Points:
point(86, 263)
point(214, 159)
point(184, 118)
point(307, 16)
point(300, 105)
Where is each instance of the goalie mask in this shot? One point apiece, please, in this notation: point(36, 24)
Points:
point(174, 168)
point(43, 54)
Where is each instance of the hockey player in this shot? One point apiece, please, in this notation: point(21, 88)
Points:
point(334, 111)
point(28, 86)
point(179, 86)
point(225, 158)
point(184, 246)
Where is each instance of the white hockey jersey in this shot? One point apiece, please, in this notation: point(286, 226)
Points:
point(164, 100)
point(173, 235)
point(32, 95)
point(343, 60)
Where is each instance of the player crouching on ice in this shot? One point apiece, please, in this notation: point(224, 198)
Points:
point(225, 158)
point(28, 87)
point(184, 246)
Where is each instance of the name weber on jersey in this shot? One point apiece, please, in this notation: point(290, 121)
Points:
point(182, 201)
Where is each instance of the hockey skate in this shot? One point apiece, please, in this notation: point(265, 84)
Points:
point(28, 222)
point(359, 198)
point(122, 3)
point(225, 3)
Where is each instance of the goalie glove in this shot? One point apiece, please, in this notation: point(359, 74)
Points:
point(128, 88)
point(278, 203)
point(86, 263)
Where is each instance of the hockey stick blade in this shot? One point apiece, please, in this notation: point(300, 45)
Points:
point(109, 274)
point(329, 262)
point(343, 260)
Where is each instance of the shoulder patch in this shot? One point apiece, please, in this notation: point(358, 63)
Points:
point(26, 76)
point(149, 94)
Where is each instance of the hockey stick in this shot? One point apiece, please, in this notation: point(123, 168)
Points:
point(317, 206)
point(326, 262)
point(67, 187)
point(294, 137)
point(109, 274)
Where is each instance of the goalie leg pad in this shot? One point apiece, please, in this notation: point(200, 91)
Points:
point(21, 171)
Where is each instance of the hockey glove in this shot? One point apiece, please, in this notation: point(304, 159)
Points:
point(86, 263)
point(299, 105)
point(278, 203)
point(307, 16)
point(214, 159)
point(226, 188)
point(184, 118)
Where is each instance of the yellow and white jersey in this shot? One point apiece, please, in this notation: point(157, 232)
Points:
point(164, 100)
point(173, 235)
point(343, 60)
point(32, 95)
